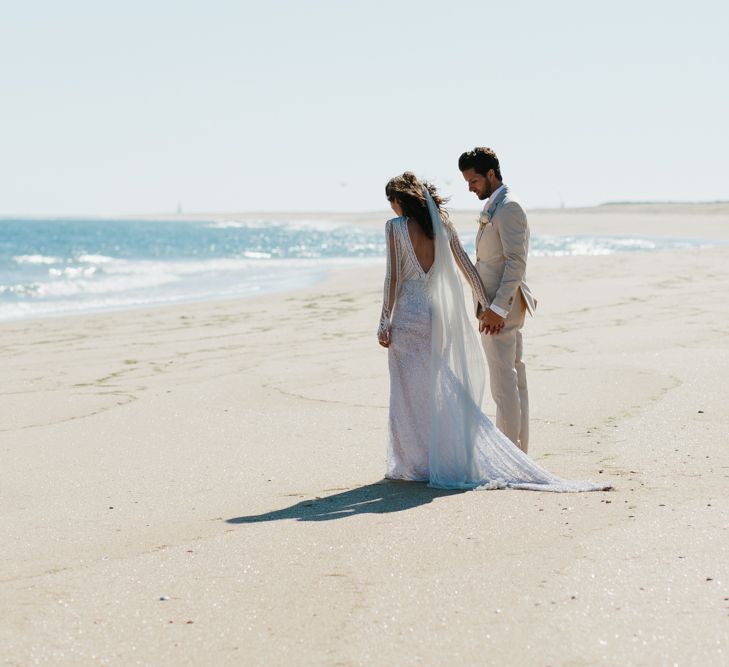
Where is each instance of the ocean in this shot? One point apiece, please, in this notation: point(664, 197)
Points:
point(64, 266)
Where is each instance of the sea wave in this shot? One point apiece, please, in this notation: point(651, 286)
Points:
point(62, 266)
point(129, 284)
point(293, 225)
point(36, 259)
point(95, 259)
point(595, 246)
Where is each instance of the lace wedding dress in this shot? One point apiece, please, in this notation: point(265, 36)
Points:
point(437, 430)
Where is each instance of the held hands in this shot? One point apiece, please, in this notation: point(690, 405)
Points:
point(383, 337)
point(490, 322)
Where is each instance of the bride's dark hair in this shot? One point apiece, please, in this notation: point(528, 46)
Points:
point(408, 191)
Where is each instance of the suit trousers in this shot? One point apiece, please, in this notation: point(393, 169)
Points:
point(507, 375)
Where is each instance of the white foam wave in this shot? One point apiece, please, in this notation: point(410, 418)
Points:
point(233, 224)
point(124, 276)
point(73, 272)
point(294, 225)
point(20, 289)
point(36, 259)
point(96, 259)
point(317, 225)
point(125, 283)
point(563, 246)
point(193, 281)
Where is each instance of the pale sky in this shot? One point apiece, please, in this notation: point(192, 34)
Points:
point(130, 107)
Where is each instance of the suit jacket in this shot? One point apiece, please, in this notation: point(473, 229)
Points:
point(502, 245)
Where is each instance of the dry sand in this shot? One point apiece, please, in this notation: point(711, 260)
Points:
point(201, 485)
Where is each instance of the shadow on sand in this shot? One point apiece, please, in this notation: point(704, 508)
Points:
point(378, 498)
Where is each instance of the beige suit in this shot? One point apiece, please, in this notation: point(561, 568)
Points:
point(502, 245)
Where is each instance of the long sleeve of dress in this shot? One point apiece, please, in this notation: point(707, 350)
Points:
point(466, 266)
point(391, 277)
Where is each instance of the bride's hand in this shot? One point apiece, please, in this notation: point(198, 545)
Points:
point(383, 338)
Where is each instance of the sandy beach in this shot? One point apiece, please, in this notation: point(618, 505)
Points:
point(202, 484)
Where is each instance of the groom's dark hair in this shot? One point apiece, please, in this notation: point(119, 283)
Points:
point(481, 160)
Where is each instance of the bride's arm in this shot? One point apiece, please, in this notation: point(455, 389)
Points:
point(466, 266)
point(390, 290)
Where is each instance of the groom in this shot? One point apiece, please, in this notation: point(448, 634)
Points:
point(502, 244)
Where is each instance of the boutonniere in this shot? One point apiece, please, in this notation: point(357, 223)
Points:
point(484, 219)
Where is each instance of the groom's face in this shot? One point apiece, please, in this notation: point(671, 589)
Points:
point(478, 184)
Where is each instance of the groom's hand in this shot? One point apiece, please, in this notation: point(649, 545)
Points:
point(490, 322)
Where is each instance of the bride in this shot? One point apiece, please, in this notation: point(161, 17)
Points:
point(437, 430)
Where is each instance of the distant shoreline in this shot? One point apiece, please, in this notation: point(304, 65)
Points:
point(662, 203)
point(719, 206)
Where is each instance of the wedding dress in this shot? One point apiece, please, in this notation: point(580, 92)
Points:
point(437, 430)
